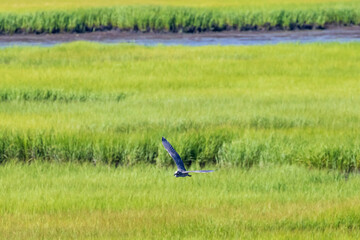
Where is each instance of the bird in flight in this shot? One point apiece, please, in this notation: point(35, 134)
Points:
point(181, 171)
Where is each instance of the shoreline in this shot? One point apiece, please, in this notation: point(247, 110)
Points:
point(115, 36)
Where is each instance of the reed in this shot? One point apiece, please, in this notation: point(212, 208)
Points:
point(52, 201)
point(175, 19)
point(230, 106)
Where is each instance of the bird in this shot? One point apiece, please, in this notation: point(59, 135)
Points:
point(181, 170)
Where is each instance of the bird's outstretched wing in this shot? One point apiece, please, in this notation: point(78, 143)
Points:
point(179, 163)
point(199, 171)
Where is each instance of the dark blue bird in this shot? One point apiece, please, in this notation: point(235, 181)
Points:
point(181, 171)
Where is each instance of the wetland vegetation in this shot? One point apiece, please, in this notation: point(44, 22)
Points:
point(52, 201)
point(52, 17)
point(81, 124)
point(242, 106)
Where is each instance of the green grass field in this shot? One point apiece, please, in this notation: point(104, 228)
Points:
point(66, 201)
point(41, 16)
point(39, 5)
point(279, 123)
point(242, 106)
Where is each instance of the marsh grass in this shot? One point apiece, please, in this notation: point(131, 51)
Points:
point(53, 95)
point(176, 19)
point(49, 200)
point(41, 5)
point(231, 106)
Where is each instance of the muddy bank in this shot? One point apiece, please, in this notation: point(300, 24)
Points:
point(340, 34)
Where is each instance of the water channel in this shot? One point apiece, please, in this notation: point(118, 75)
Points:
point(344, 34)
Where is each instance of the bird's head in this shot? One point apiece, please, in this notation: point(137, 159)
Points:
point(177, 173)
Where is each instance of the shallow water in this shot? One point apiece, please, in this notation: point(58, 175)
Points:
point(345, 34)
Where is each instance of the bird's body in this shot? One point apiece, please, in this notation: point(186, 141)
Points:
point(181, 171)
point(181, 174)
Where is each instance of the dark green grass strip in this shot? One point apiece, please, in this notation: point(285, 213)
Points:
point(199, 148)
point(174, 19)
point(56, 96)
